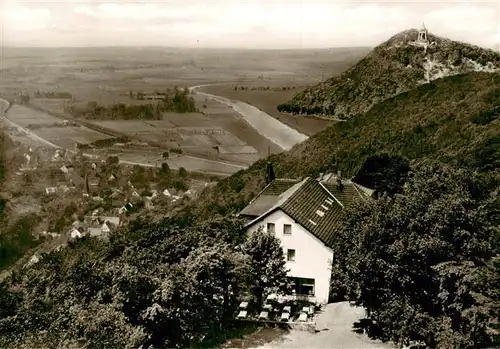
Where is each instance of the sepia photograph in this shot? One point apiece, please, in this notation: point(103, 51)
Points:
point(250, 174)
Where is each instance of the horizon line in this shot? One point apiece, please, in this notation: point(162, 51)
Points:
point(194, 47)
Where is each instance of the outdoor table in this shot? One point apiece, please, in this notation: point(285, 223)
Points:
point(287, 309)
point(242, 314)
point(264, 315)
point(243, 305)
point(267, 307)
point(302, 317)
point(305, 309)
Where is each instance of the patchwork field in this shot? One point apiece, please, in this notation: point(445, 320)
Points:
point(174, 132)
point(108, 75)
point(51, 128)
point(188, 162)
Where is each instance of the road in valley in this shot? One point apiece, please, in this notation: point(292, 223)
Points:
point(277, 132)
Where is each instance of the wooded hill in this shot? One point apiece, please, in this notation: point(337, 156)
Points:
point(455, 120)
point(391, 68)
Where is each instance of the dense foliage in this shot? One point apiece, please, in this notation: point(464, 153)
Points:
point(176, 284)
point(384, 173)
point(425, 263)
point(433, 121)
point(391, 68)
point(3, 162)
point(179, 102)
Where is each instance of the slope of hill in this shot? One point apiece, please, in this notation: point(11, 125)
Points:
point(454, 120)
point(393, 67)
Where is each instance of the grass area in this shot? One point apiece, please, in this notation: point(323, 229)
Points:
point(436, 121)
point(16, 240)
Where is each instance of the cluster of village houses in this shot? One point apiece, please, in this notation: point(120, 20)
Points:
point(124, 197)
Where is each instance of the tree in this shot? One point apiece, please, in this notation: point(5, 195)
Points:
point(182, 172)
point(383, 172)
point(165, 169)
point(420, 263)
point(267, 261)
point(112, 160)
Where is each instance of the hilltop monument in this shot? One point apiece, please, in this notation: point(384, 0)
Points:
point(423, 39)
point(423, 35)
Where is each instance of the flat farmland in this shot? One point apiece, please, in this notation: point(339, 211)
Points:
point(174, 132)
point(107, 74)
point(267, 101)
point(185, 161)
point(51, 128)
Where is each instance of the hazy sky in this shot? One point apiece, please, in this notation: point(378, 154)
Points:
point(241, 23)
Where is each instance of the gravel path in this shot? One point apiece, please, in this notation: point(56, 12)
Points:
point(334, 324)
point(269, 127)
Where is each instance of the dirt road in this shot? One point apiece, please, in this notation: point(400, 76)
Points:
point(269, 127)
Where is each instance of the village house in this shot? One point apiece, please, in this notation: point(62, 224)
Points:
point(148, 203)
point(51, 190)
point(304, 215)
point(67, 169)
point(102, 225)
point(126, 208)
point(77, 233)
point(94, 182)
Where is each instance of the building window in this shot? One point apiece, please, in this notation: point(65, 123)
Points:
point(287, 229)
point(303, 286)
point(270, 228)
point(290, 255)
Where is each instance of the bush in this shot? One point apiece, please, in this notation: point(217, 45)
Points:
point(182, 172)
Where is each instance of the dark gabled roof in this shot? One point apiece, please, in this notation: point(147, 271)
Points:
point(346, 194)
point(307, 204)
point(311, 205)
point(268, 197)
point(279, 186)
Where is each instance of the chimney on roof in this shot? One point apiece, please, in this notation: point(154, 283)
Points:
point(270, 176)
point(340, 185)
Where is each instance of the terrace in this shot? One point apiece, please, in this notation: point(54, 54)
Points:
point(293, 311)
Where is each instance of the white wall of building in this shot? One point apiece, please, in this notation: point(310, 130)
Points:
point(313, 258)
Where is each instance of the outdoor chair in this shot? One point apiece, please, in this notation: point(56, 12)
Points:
point(242, 314)
point(285, 317)
point(264, 315)
point(287, 309)
point(243, 305)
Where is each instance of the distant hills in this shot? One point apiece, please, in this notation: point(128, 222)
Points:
point(455, 120)
point(393, 67)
